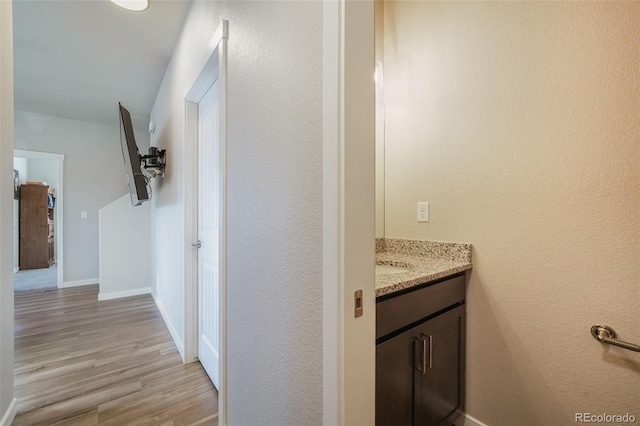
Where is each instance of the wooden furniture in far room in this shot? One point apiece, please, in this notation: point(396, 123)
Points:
point(36, 228)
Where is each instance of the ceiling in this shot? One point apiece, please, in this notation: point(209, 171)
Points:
point(78, 59)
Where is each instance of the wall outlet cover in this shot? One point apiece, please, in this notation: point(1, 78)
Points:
point(423, 211)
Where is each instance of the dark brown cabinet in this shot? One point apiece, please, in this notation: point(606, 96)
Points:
point(420, 359)
point(36, 228)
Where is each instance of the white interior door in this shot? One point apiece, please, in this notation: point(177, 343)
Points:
point(209, 231)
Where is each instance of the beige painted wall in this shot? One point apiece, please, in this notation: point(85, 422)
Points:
point(379, 119)
point(520, 122)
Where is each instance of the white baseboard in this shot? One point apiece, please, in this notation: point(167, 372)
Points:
point(79, 283)
point(15, 270)
point(169, 324)
point(467, 420)
point(10, 414)
point(125, 293)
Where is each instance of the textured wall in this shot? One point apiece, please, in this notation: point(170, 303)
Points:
point(519, 122)
point(379, 119)
point(93, 177)
point(6, 208)
point(274, 259)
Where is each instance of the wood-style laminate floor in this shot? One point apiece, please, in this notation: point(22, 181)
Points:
point(83, 362)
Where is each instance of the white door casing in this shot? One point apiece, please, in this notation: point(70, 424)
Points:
point(209, 231)
point(348, 214)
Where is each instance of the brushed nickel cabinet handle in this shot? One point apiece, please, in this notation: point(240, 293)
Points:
point(430, 339)
point(424, 353)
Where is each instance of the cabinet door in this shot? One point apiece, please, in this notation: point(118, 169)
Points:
point(439, 369)
point(394, 380)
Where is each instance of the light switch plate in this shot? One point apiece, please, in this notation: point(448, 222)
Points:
point(83, 214)
point(423, 211)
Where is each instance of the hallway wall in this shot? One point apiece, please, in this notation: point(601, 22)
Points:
point(125, 252)
point(93, 177)
point(274, 202)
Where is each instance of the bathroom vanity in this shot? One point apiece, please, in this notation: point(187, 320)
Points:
point(420, 333)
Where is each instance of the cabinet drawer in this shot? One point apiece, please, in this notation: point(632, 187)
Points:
point(407, 308)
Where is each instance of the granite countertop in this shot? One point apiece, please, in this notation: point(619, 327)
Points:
point(426, 260)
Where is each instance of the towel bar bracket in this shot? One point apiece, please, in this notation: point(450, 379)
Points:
point(606, 334)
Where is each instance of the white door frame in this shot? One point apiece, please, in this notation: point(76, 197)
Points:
point(214, 68)
point(348, 204)
point(59, 210)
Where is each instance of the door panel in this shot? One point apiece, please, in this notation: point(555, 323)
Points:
point(405, 395)
point(439, 390)
point(394, 381)
point(209, 292)
point(208, 231)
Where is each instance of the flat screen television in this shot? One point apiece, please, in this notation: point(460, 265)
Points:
point(138, 189)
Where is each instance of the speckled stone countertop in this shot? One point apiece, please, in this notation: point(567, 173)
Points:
point(426, 261)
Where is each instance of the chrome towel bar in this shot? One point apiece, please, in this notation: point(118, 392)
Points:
point(606, 334)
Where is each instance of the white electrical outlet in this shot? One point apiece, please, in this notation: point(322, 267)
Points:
point(423, 211)
point(83, 214)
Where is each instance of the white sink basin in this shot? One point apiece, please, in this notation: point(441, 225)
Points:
point(388, 269)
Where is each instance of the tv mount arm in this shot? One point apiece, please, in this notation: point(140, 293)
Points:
point(153, 164)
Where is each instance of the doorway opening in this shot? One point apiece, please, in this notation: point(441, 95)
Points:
point(38, 221)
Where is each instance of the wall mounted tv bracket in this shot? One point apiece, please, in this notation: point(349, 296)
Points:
point(153, 164)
